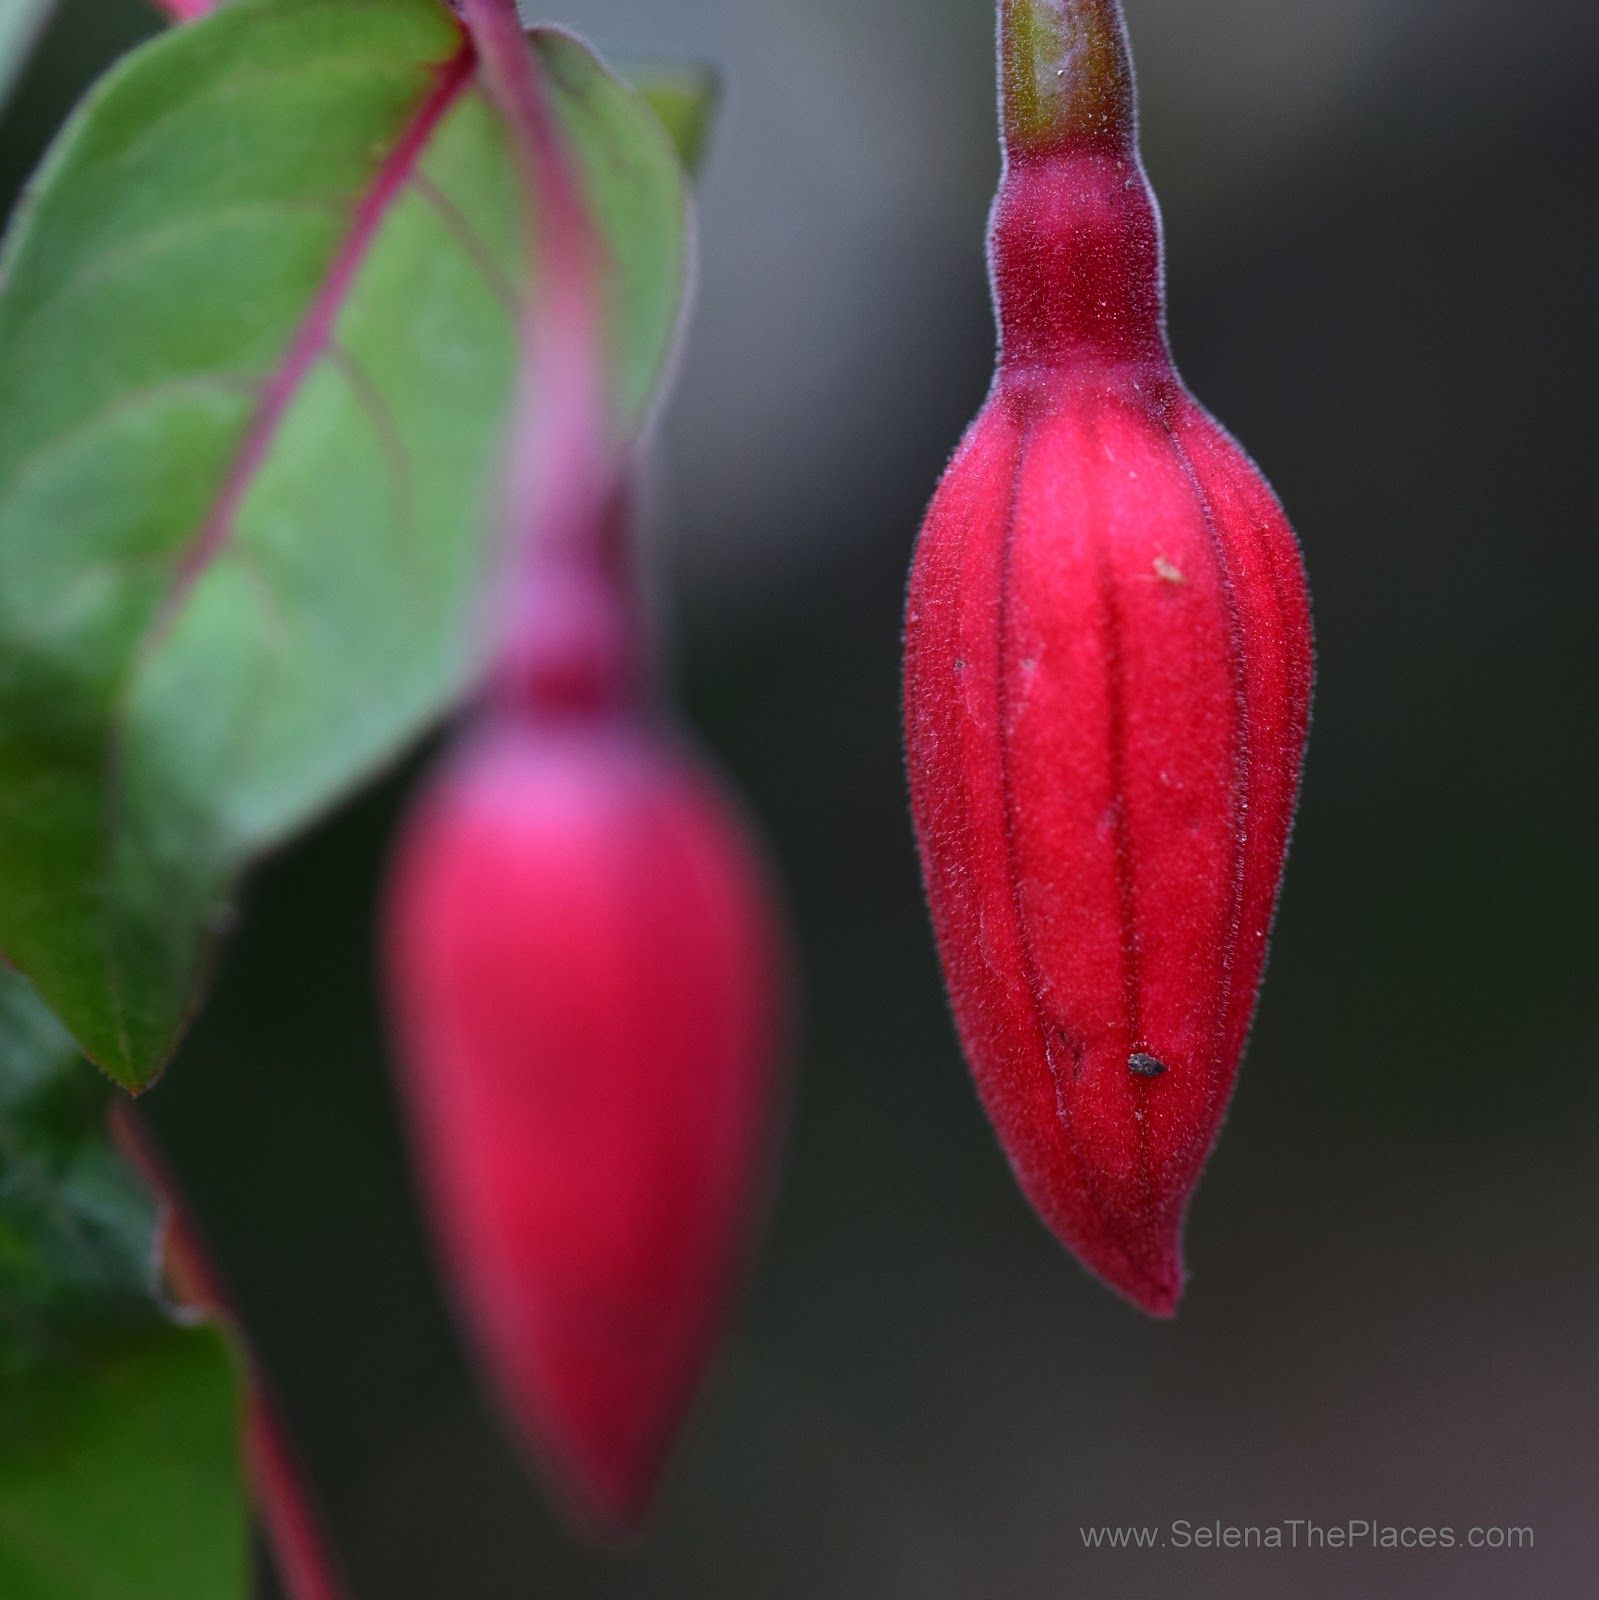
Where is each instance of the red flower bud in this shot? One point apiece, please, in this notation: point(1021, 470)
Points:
point(1107, 689)
point(584, 972)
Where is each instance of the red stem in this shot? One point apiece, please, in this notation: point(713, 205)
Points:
point(300, 1546)
point(564, 631)
point(185, 10)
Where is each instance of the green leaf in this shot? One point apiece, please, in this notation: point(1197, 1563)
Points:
point(120, 1467)
point(122, 1478)
point(685, 96)
point(79, 1229)
point(21, 23)
point(256, 347)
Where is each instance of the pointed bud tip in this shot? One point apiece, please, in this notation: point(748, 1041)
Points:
point(1159, 1297)
point(604, 1498)
point(1156, 1292)
point(1065, 75)
point(1141, 1263)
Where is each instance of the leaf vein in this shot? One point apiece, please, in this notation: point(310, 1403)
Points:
point(307, 347)
point(153, 241)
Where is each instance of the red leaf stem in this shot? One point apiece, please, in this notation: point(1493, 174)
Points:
point(289, 1515)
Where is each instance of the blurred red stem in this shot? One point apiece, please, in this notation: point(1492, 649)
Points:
point(566, 627)
point(185, 10)
point(300, 1547)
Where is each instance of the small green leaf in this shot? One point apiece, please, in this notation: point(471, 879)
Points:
point(21, 23)
point(685, 96)
point(78, 1227)
point(256, 351)
point(122, 1477)
point(119, 1430)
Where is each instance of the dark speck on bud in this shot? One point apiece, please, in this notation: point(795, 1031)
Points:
point(1145, 1066)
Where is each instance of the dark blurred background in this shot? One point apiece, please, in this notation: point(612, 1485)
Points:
point(1383, 230)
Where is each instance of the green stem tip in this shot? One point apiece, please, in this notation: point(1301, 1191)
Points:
point(1066, 75)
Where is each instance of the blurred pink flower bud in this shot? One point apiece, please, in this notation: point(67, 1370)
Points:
point(585, 972)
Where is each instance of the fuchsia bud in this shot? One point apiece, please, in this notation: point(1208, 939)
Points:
point(584, 975)
point(1107, 689)
point(583, 961)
